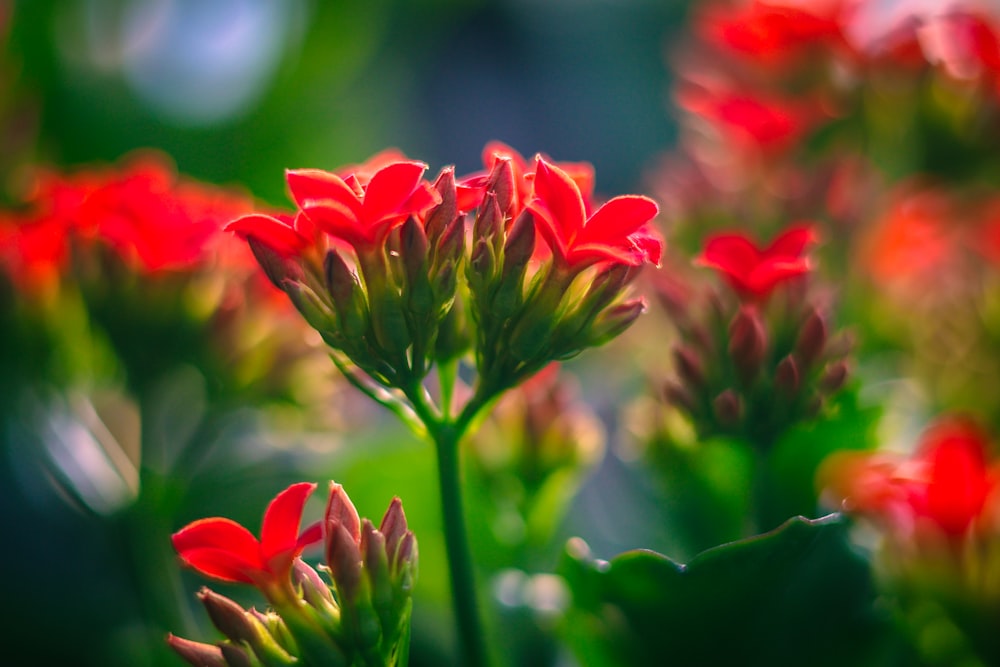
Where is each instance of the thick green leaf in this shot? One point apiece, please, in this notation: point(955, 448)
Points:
point(798, 595)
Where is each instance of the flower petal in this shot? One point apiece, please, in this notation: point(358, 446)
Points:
point(558, 194)
point(792, 242)
point(280, 529)
point(222, 565)
point(613, 222)
point(390, 189)
point(273, 232)
point(312, 186)
point(219, 548)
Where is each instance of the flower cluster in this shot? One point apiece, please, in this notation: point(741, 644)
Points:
point(381, 263)
point(760, 357)
point(361, 617)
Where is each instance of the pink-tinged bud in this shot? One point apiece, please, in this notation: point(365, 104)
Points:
point(607, 285)
point(520, 245)
point(318, 314)
point(276, 266)
point(314, 589)
point(728, 408)
point(834, 376)
point(482, 261)
point(196, 653)
point(786, 376)
point(229, 617)
point(343, 557)
point(489, 223)
point(452, 243)
point(235, 656)
point(406, 559)
point(393, 527)
point(747, 343)
point(414, 245)
point(372, 549)
point(689, 366)
point(679, 397)
point(340, 511)
point(443, 215)
point(501, 184)
point(812, 339)
point(340, 280)
point(612, 322)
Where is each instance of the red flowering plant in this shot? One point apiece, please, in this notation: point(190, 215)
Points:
point(935, 510)
point(360, 617)
point(381, 263)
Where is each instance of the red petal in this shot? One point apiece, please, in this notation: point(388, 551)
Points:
point(280, 529)
point(272, 232)
point(765, 276)
point(733, 254)
point(561, 198)
point(221, 564)
point(338, 220)
point(617, 219)
point(216, 532)
point(549, 230)
point(313, 186)
point(793, 242)
point(390, 189)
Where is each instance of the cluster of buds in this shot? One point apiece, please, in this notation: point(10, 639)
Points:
point(360, 618)
point(381, 263)
point(761, 357)
point(937, 511)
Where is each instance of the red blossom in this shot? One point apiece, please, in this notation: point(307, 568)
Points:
point(359, 213)
point(944, 487)
point(33, 253)
point(618, 232)
point(754, 272)
point(223, 549)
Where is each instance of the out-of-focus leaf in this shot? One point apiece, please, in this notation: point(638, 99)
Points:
point(798, 595)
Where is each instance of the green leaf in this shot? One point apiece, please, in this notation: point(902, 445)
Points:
point(799, 595)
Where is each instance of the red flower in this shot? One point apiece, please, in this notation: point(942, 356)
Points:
point(617, 232)
point(945, 486)
point(752, 272)
point(360, 213)
point(223, 549)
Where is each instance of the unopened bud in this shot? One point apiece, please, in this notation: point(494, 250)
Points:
point(414, 245)
point(276, 266)
point(728, 408)
point(393, 527)
point(482, 262)
point(689, 366)
point(812, 339)
point(235, 656)
point(196, 653)
point(229, 617)
point(314, 590)
point(612, 322)
point(747, 343)
point(451, 245)
point(317, 313)
point(340, 511)
point(520, 245)
point(834, 376)
point(344, 560)
point(443, 215)
point(489, 223)
point(501, 183)
point(786, 376)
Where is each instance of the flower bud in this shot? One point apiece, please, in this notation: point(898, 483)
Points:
point(348, 298)
point(728, 408)
point(235, 656)
point(314, 590)
point(229, 617)
point(786, 376)
point(196, 653)
point(344, 560)
point(747, 343)
point(520, 244)
point(834, 376)
point(276, 266)
point(413, 248)
point(679, 397)
point(317, 313)
point(393, 527)
point(812, 339)
point(489, 224)
point(451, 244)
point(443, 215)
point(501, 184)
point(689, 366)
point(340, 511)
point(612, 322)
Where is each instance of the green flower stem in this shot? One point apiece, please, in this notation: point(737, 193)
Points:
point(463, 582)
point(447, 435)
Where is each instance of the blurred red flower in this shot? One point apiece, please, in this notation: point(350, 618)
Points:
point(754, 272)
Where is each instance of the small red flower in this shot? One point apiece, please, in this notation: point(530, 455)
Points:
point(945, 486)
point(753, 272)
point(223, 549)
point(618, 232)
point(361, 213)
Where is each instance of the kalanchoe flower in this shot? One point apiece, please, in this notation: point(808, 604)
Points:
point(223, 549)
point(617, 232)
point(361, 618)
point(945, 489)
point(754, 272)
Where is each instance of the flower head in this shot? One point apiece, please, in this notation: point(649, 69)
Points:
point(223, 549)
point(618, 232)
point(754, 272)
